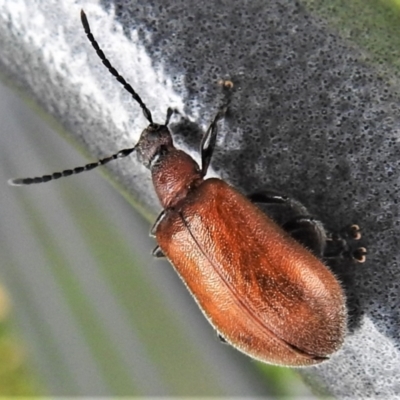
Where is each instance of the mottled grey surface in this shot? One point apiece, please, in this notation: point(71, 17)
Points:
point(311, 116)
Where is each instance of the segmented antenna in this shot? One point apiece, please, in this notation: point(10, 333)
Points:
point(112, 70)
point(68, 172)
point(121, 153)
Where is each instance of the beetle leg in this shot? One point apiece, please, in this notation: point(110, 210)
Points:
point(305, 229)
point(157, 252)
point(221, 338)
point(268, 197)
point(272, 197)
point(208, 141)
point(360, 254)
point(355, 232)
point(309, 232)
point(156, 223)
point(340, 244)
point(210, 137)
point(170, 112)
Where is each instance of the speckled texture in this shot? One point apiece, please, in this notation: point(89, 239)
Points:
point(311, 116)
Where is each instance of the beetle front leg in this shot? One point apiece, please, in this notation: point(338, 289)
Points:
point(208, 141)
point(156, 223)
point(210, 137)
point(157, 252)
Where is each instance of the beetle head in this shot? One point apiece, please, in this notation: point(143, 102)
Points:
point(154, 140)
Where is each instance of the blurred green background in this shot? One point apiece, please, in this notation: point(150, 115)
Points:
point(87, 310)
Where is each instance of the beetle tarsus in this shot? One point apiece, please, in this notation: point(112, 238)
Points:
point(340, 244)
point(355, 232)
point(360, 255)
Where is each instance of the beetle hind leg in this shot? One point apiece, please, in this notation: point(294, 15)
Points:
point(309, 232)
point(342, 244)
point(303, 228)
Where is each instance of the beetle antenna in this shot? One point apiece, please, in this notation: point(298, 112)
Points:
point(57, 175)
point(112, 70)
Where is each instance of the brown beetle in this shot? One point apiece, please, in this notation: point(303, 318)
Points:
point(262, 290)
